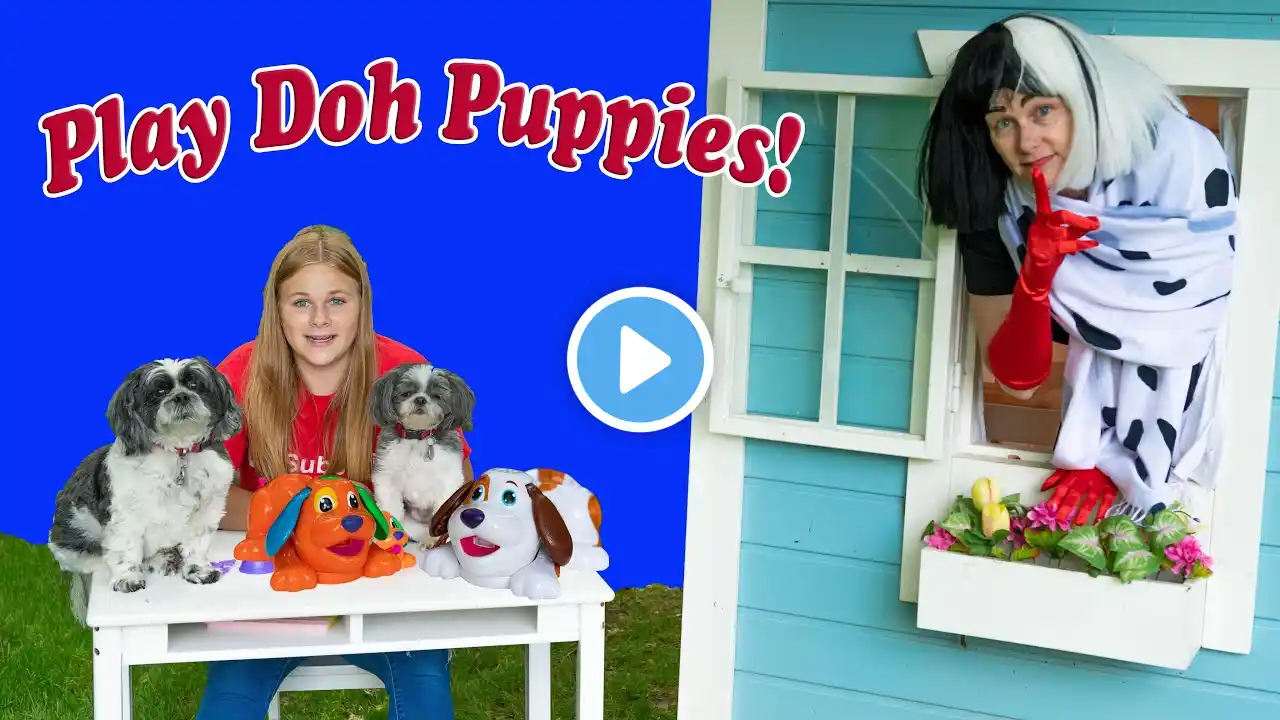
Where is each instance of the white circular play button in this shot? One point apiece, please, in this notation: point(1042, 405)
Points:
point(640, 359)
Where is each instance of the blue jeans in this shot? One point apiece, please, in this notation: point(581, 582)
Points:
point(417, 685)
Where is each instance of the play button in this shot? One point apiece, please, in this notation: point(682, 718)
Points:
point(640, 359)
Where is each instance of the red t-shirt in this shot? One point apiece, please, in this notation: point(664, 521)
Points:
point(307, 452)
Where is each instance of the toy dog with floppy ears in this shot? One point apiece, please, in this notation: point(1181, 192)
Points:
point(321, 530)
point(512, 529)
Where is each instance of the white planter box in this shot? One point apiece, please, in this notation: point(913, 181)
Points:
point(1147, 622)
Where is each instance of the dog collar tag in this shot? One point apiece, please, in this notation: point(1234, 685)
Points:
point(182, 468)
point(430, 448)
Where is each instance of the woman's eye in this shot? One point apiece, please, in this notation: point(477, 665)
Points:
point(337, 301)
point(299, 303)
point(1043, 110)
point(508, 497)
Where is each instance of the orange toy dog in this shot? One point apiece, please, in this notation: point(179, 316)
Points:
point(324, 530)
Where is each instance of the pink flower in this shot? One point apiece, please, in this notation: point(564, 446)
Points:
point(1018, 526)
point(1041, 516)
point(1185, 554)
point(940, 539)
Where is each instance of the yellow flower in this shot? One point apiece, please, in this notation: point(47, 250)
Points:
point(985, 491)
point(994, 517)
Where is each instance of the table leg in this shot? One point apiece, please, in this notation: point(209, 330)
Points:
point(112, 696)
point(591, 663)
point(537, 681)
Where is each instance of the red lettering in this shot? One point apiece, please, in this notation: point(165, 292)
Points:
point(151, 142)
point(579, 125)
point(705, 145)
point(789, 134)
point(70, 135)
point(633, 128)
point(341, 113)
point(270, 133)
point(209, 127)
point(752, 144)
point(112, 161)
point(387, 95)
point(153, 139)
point(525, 115)
point(674, 121)
point(474, 86)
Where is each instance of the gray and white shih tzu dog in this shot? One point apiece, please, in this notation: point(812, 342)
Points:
point(151, 501)
point(419, 461)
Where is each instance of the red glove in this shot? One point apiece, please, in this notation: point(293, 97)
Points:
point(1021, 352)
point(1093, 485)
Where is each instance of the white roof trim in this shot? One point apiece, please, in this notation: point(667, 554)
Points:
point(1190, 64)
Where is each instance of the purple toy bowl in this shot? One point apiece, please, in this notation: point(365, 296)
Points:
point(256, 567)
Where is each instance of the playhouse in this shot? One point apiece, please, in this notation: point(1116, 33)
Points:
point(848, 410)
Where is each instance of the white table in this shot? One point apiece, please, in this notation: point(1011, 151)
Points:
point(165, 623)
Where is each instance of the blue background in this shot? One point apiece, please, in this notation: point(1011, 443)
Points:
point(481, 257)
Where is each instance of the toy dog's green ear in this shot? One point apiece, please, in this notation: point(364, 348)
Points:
point(285, 522)
point(382, 531)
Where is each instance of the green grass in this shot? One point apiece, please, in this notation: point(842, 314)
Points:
point(46, 662)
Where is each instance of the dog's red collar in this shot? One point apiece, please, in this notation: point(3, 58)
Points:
point(407, 434)
point(193, 449)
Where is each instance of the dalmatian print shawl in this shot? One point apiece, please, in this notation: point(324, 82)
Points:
point(1146, 313)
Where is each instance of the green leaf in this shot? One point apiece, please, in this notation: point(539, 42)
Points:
point(967, 504)
point(1135, 565)
point(928, 530)
point(1166, 529)
point(982, 549)
point(1044, 539)
point(958, 548)
point(1111, 524)
point(958, 522)
point(1026, 552)
point(1123, 535)
point(972, 537)
point(999, 552)
point(1008, 500)
point(1200, 571)
point(1094, 572)
point(999, 536)
point(1084, 543)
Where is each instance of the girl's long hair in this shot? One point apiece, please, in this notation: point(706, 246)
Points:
point(272, 392)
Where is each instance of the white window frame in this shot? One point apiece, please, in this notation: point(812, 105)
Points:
point(738, 255)
point(1223, 68)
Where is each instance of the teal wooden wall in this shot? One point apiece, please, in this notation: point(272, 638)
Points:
point(821, 633)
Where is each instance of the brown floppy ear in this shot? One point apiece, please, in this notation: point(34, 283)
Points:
point(440, 521)
point(552, 531)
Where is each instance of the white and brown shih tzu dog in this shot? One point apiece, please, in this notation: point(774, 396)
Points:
point(151, 501)
point(419, 461)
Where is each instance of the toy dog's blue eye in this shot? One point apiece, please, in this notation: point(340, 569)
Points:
point(508, 497)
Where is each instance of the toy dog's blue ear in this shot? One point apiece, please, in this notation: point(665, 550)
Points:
point(285, 522)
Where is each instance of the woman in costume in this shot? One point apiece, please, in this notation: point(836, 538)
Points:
point(1090, 210)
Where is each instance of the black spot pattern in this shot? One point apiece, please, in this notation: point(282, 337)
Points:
point(1124, 203)
point(1169, 288)
point(1135, 255)
point(1024, 221)
point(1232, 239)
point(1168, 431)
point(1155, 509)
point(1109, 416)
point(1141, 467)
point(1101, 263)
point(1149, 377)
point(1134, 436)
point(1217, 188)
point(1191, 388)
point(1145, 203)
point(1095, 336)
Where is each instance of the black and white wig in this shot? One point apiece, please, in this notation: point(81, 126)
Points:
point(1115, 101)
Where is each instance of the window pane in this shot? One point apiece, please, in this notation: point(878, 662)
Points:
point(788, 309)
point(886, 216)
point(801, 219)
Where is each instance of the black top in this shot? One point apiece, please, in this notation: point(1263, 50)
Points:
point(989, 271)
